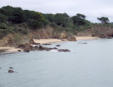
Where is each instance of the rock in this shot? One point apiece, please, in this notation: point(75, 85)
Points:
point(46, 48)
point(35, 47)
point(19, 50)
point(63, 35)
point(26, 47)
point(102, 36)
point(93, 35)
point(41, 47)
point(21, 46)
point(84, 43)
point(10, 71)
point(10, 67)
point(64, 50)
point(54, 48)
point(26, 50)
point(58, 45)
point(47, 44)
point(31, 41)
point(71, 38)
point(37, 43)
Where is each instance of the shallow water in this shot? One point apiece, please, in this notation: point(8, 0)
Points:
point(87, 65)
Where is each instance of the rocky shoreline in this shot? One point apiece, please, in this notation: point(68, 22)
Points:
point(38, 44)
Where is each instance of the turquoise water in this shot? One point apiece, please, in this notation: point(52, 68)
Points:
point(87, 65)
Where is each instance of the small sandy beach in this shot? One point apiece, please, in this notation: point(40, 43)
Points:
point(44, 41)
point(86, 38)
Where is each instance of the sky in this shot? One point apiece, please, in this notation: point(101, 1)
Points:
point(91, 8)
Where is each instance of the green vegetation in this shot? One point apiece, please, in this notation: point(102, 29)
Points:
point(16, 20)
point(104, 20)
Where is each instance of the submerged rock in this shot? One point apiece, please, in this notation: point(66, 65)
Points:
point(47, 48)
point(54, 48)
point(41, 47)
point(58, 45)
point(84, 43)
point(30, 47)
point(47, 44)
point(44, 48)
point(10, 67)
point(10, 71)
point(63, 50)
point(26, 50)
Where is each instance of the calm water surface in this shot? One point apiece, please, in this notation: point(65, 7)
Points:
point(87, 65)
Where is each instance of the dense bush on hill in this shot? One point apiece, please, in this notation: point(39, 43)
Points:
point(17, 20)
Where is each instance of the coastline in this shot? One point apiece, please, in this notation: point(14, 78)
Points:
point(9, 49)
point(86, 38)
point(43, 41)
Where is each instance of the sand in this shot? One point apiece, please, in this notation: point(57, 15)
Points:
point(86, 38)
point(44, 41)
point(9, 49)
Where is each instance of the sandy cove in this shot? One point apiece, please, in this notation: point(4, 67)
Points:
point(43, 41)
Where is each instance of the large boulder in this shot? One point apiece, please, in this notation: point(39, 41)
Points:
point(71, 38)
point(63, 35)
point(32, 41)
point(26, 47)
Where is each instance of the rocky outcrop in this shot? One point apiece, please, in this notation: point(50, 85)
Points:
point(31, 41)
point(11, 70)
point(46, 48)
point(26, 47)
point(29, 47)
point(71, 38)
point(63, 35)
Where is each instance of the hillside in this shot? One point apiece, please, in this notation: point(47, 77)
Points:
point(18, 26)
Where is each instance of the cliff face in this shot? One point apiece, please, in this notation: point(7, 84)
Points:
point(14, 39)
point(98, 30)
point(45, 33)
point(102, 31)
point(42, 33)
point(50, 32)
